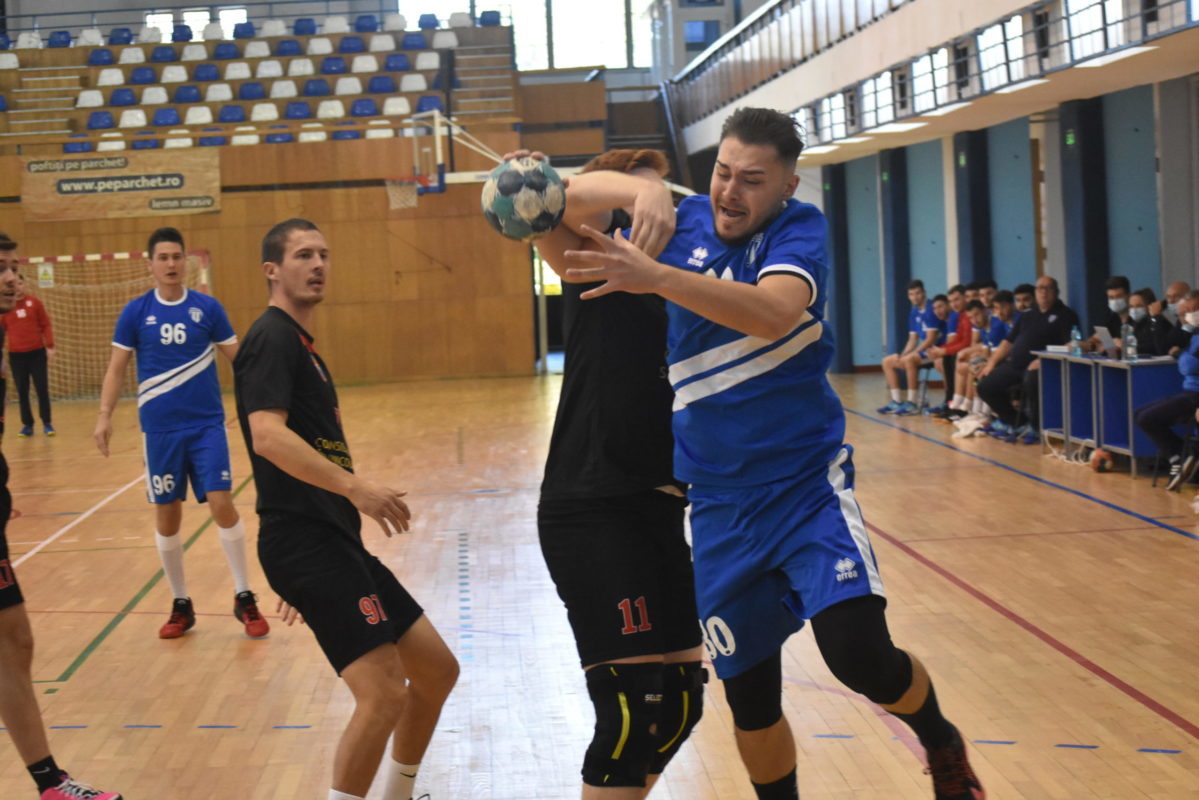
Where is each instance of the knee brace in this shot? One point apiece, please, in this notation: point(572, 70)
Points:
point(756, 696)
point(628, 704)
point(682, 706)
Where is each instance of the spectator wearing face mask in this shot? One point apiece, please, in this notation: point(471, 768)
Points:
point(1152, 330)
point(1118, 290)
point(1179, 336)
point(1168, 307)
point(1158, 418)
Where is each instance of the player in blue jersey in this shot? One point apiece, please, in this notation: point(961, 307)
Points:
point(777, 534)
point(922, 334)
point(176, 334)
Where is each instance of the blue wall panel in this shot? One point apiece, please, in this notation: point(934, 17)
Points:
point(1130, 163)
point(926, 204)
point(865, 260)
point(1013, 235)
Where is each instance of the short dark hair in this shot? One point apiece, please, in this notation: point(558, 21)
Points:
point(972, 286)
point(940, 297)
point(987, 284)
point(163, 235)
point(1024, 288)
point(1117, 282)
point(276, 238)
point(1004, 296)
point(957, 288)
point(973, 304)
point(765, 126)
point(7, 245)
point(1147, 295)
point(916, 284)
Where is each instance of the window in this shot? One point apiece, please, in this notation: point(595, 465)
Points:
point(878, 107)
point(646, 29)
point(412, 9)
point(229, 18)
point(832, 117)
point(697, 3)
point(196, 20)
point(1001, 51)
point(698, 34)
point(1094, 26)
point(528, 27)
point(588, 34)
point(165, 22)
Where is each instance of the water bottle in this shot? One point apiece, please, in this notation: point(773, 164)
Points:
point(1075, 342)
point(1130, 346)
point(1125, 335)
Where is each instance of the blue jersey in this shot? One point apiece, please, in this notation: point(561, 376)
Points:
point(747, 410)
point(177, 384)
point(917, 316)
point(993, 335)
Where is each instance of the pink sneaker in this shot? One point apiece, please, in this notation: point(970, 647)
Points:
point(71, 789)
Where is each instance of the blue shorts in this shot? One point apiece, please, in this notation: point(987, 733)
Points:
point(199, 455)
point(768, 557)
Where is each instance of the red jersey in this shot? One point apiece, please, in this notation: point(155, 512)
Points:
point(964, 335)
point(27, 326)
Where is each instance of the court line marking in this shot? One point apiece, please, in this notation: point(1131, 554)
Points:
point(1045, 637)
point(139, 479)
point(1029, 475)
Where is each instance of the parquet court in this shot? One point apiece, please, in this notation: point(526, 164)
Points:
point(1053, 606)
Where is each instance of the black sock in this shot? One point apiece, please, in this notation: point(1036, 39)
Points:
point(46, 773)
point(785, 788)
point(929, 725)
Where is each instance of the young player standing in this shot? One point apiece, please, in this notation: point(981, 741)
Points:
point(310, 538)
point(176, 334)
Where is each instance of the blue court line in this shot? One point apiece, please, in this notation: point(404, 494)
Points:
point(217, 727)
point(1030, 476)
point(1157, 750)
point(290, 727)
point(143, 726)
point(833, 736)
point(991, 741)
point(67, 727)
point(1078, 746)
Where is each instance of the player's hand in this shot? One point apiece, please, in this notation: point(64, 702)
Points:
point(385, 506)
point(287, 613)
point(935, 352)
point(621, 266)
point(103, 433)
point(49, 354)
point(986, 370)
point(536, 155)
point(653, 219)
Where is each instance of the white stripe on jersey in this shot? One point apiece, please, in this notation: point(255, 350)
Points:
point(793, 270)
point(191, 370)
point(719, 382)
point(717, 356)
point(149, 383)
point(853, 520)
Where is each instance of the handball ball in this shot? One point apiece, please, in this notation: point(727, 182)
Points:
point(1101, 460)
point(524, 199)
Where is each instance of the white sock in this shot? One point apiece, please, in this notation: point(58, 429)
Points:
point(979, 406)
point(233, 542)
point(170, 550)
point(336, 795)
point(959, 401)
point(896, 396)
point(911, 395)
point(401, 780)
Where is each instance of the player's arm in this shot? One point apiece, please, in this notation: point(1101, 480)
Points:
point(228, 349)
point(913, 340)
point(110, 392)
point(281, 446)
point(47, 329)
point(997, 356)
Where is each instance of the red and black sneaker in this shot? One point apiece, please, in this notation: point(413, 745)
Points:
point(953, 779)
point(245, 608)
point(183, 619)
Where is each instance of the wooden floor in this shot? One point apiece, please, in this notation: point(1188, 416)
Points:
point(1055, 608)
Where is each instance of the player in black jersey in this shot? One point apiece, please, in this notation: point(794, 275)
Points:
point(310, 542)
point(610, 517)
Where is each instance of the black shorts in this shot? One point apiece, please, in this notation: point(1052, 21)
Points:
point(623, 568)
point(10, 592)
point(352, 602)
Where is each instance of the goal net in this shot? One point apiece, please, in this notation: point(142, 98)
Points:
point(84, 295)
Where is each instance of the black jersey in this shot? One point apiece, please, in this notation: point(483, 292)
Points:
point(278, 368)
point(612, 432)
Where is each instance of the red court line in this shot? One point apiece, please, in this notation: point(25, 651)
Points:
point(1029, 533)
point(1047, 638)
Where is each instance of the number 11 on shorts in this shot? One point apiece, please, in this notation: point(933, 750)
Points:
point(626, 609)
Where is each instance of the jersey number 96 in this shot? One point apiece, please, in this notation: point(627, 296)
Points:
point(173, 334)
point(163, 484)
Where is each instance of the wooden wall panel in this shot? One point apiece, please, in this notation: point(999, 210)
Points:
point(544, 103)
point(571, 141)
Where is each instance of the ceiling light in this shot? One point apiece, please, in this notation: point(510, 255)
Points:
point(1108, 58)
point(898, 127)
point(1015, 87)
point(855, 140)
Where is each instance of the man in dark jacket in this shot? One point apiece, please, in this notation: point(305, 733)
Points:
point(1158, 418)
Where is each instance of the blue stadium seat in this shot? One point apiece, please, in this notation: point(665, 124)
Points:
point(428, 22)
point(457, 84)
point(212, 141)
point(298, 109)
point(3, 103)
point(122, 97)
point(278, 138)
point(346, 134)
point(381, 84)
point(316, 87)
point(205, 72)
point(305, 26)
point(5, 42)
point(146, 144)
point(489, 19)
point(397, 62)
point(120, 36)
point(182, 33)
point(59, 39)
point(168, 115)
point(414, 41)
point(351, 44)
point(162, 53)
point(78, 147)
point(186, 93)
point(288, 47)
point(225, 51)
point(364, 107)
point(232, 113)
point(251, 90)
point(333, 65)
point(366, 23)
point(100, 57)
point(243, 30)
point(99, 120)
point(142, 75)
point(428, 103)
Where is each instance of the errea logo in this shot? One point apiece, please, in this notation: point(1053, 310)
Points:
point(845, 570)
point(697, 257)
point(151, 320)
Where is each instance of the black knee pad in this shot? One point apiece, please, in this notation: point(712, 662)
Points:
point(628, 704)
point(756, 696)
point(682, 706)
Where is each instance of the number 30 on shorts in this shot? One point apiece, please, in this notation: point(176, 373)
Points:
point(162, 484)
point(718, 638)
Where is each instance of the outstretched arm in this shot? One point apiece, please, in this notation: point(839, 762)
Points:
point(110, 393)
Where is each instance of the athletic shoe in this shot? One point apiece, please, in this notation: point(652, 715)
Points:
point(49, 430)
point(890, 408)
point(183, 618)
point(907, 409)
point(1031, 436)
point(25, 432)
point(939, 411)
point(71, 789)
point(245, 608)
point(1180, 473)
point(998, 428)
point(1015, 435)
point(959, 413)
point(953, 779)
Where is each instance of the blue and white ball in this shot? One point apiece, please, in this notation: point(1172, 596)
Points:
point(524, 199)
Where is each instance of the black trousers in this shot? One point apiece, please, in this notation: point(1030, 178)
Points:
point(31, 364)
point(995, 391)
point(950, 363)
point(1158, 418)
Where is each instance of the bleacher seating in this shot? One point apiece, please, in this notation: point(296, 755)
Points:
point(108, 142)
point(178, 142)
point(413, 82)
point(298, 67)
point(132, 55)
point(316, 87)
point(187, 93)
point(29, 40)
point(397, 62)
point(218, 93)
point(264, 112)
point(212, 141)
point(110, 76)
point(198, 115)
point(232, 113)
point(5, 42)
point(225, 51)
point(366, 23)
point(142, 75)
point(351, 44)
point(59, 39)
point(273, 27)
point(146, 144)
point(122, 97)
point(90, 98)
point(118, 37)
point(414, 41)
point(98, 120)
point(90, 37)
point(163, 53)
point(298, 109)
point(243, 30)
point(283, 89)
point(428, 103)
point(335, 24)
point(395, 22)
point(251, 90)
point(348, 84)
point(396, 107)
point(181, 33)
point(428, 22)
point(256, 49)
point(382, 43)
point(319, 46)
point(78, 147)
point(331, 109)
point(245, 138)
point(428, 61)
point(364, 63)
point(364, 107)
point(269, 69)
point(343, 135)
point(236, 71)
point(214, 32)
point(381, 84)
point(174, 73)
point(489, 19)
point(149, 35)
point(288, 47)
point(167, 115)
point(461, 19)
point(194, 52)
point(445, 40)
point(157, 96)
point(379, 129)
point(278, 138)
point(312, 136)
point(304, 26)
point(333, 65)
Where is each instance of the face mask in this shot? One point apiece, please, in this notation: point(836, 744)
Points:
point(1172, 309)
point(1192, 319)
point(1117, 306)
point(1137, 314)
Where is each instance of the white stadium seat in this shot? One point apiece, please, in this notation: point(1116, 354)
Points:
point(273, 27)
point(148, 35)
point(299, 67)
point(427, 60)
point(132, 55)
point(319, 46)
point(282, 89)
point(313, 136)
point(364, 63)
point(378, 132)
point(348, 84)
point(445, 40)
point(10, 61)
point(237, 71)
point(90, 98)
point(460, 19)
point(132, 118)
point(269, 69)
point(218, 93)
point(154, 96)
point(256, 49)
point(177, 142)
point(90, 37)
point(264, 112)
point(245, 138)
point(198, 115)
point(382, 43)
point(174, 73)
point(331, 109)
point(335, 25)
point(110, 145)
point(109, 76)
point(29, 40)
point(213, 32)
point(395, 22)
point(396, 107)
point(194, 52)
point(413, 82)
